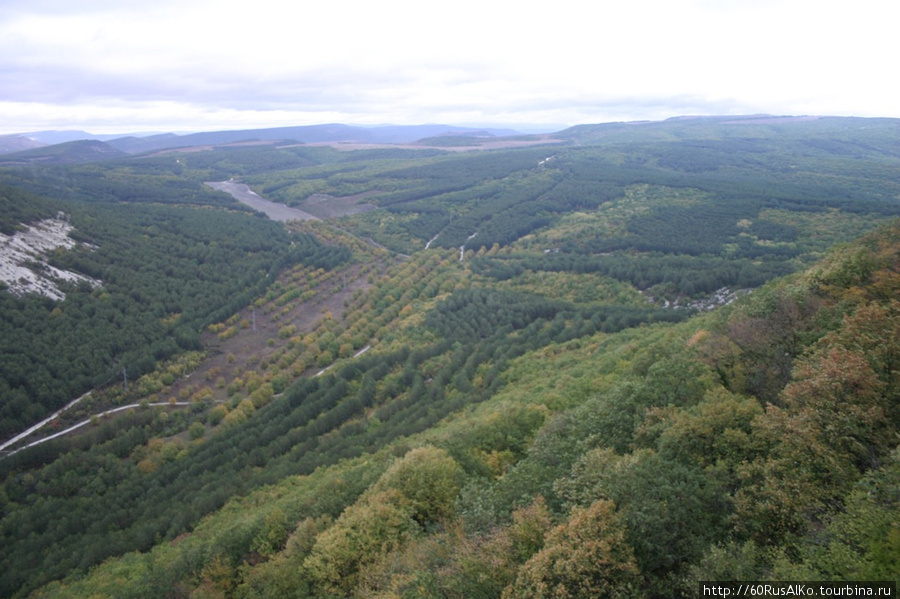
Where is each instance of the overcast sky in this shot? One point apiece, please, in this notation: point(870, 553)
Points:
point(115, 66)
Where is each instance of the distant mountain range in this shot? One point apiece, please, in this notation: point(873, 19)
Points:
point(70, 152)
point(71, 147)
point(136, 144)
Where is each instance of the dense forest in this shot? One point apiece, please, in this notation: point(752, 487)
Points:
point(166, 272)
point(500, 379)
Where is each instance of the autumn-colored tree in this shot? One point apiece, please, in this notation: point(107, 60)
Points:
point(364, 533)
point(723, 356)
point(672, 510)
point(283, 575)
point(873, 332)
point(428, 478)
point(716, 430)
point(325, 358)
point(831, 428)
point(586, 557)
point(273, 535)
point(842, 394)
point(484, 566)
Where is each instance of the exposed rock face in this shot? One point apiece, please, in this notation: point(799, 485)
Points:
point(23, 265)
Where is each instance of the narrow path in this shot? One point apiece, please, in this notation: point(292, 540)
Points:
point(356, 355)
point(42, 423)
point(462, 248)
point(88, 421)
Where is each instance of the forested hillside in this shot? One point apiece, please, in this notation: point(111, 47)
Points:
point(166, 272)
point(494, 376)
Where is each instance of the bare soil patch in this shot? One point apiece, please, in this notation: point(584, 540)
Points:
point(232, 357)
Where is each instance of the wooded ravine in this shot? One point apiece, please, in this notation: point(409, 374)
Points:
point(616, 364)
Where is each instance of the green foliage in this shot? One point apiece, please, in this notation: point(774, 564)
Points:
point(668, 276)
point(569, 438)
point(716, 431)
point(197, 430)
point(273, 536)
point(429, 479)
point(361, 535)
point(18, 207)
point(584, 558)
point(861, 542)
point(165, 272)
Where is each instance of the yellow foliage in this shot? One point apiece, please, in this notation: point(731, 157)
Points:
point(697, 337)
point(146, 466)
point(235, 417)
point(365, 531)
point(584, 558)
point(429, 478)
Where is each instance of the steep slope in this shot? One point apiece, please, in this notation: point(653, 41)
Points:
point(529, 363)
point(23, 266)
point(145, 278)
point(638, 462)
